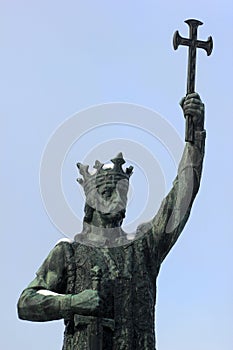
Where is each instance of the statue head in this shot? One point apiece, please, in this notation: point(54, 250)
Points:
point(106, 191)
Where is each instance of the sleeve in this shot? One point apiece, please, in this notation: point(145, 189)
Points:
point(44, 298)
point(164, 229)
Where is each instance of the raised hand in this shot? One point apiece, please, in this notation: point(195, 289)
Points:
point(193, 106)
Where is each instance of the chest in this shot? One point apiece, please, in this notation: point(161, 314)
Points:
point(129, 263)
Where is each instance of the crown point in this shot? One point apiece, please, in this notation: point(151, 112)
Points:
point(80, 181)
point(120, 155)
point(98, 165)
point(119, 160)
point(83, 169)
point(129, 170)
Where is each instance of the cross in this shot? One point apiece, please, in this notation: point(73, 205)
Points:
point(193, 44)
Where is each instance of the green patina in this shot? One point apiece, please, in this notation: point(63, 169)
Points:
point(104, 286)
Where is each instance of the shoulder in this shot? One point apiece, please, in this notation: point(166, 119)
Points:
point(64, 240)
point(64, 244)
point(59, 254)
point(61, 246)
point(65, 247)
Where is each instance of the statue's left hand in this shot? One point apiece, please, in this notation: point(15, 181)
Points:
point(192, 105)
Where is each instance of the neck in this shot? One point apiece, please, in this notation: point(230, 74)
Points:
point(106, 221)
point(103, 235)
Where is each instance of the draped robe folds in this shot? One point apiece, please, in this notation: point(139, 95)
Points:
point(129, 272)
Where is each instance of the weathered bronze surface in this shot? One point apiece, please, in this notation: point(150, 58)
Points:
point(102, 284)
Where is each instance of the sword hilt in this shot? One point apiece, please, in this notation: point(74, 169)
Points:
point(96, 275)
point(95, 329)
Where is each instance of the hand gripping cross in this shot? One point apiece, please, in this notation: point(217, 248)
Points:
point(193, 44)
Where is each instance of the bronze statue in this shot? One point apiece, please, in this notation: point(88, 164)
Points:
point(102, 284)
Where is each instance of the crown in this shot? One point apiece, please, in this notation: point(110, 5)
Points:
point(103, 173)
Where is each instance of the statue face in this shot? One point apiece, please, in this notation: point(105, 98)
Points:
point(109, 197)
point(112, 196)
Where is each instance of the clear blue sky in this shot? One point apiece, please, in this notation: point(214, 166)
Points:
point(58, 58)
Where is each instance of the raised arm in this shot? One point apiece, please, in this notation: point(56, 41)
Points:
point(165, 228)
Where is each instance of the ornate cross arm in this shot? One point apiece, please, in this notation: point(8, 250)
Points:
point(193, 44)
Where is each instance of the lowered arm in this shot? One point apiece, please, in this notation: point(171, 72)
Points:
point(44, 299)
